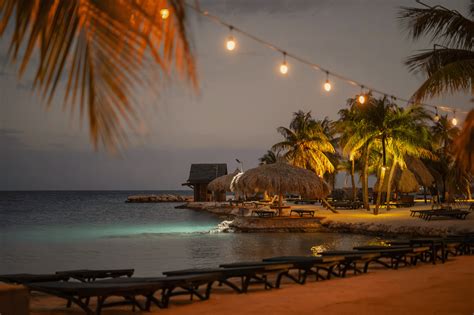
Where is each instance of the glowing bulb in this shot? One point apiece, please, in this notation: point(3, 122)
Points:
point(165, 13)
point(230, 44)
point(284, 68)
point(361, 99)
point(454, 121)
point(327, 86)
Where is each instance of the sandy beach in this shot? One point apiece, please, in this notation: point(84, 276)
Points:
point(424, 289)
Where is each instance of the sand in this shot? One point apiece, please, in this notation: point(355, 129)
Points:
point(424, 289)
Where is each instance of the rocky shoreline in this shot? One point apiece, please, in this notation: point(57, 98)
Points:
point(349, 222)
point(388, 230)
point(158, 198)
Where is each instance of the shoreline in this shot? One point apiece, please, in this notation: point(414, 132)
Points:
point(394, 223)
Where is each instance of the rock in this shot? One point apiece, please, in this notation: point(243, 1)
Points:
point(157, 198)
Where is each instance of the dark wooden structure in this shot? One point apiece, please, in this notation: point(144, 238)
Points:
point(200, 175)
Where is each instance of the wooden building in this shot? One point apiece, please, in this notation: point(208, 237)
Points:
point(200, 175)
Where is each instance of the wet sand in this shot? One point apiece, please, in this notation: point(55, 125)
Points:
point(424, 289)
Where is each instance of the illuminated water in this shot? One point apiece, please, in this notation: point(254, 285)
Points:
point(48, 231)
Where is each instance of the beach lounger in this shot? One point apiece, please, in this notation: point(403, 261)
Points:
point(264, 213)
point(24, 278)
point(129, 289)
point(263, 270)
point(302, 212)
point(310, 265)
point(88, 275)
point(247, 275)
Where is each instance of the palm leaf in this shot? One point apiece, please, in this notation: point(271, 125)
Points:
point(439, 23)
point(99, 48)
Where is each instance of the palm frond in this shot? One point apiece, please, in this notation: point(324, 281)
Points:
point(451, 78)
point(98, 50)
point(442, 25)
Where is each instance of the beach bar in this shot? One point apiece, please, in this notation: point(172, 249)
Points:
point(200, 175)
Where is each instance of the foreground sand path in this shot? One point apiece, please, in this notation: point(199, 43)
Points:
point(425, 289)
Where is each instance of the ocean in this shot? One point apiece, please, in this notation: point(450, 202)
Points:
point(47, 231)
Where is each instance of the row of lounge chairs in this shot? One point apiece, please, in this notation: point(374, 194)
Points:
point(446, 212)
point(143, 292)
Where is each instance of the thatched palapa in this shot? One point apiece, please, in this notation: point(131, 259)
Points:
point(223, 183)
point(407, 183)
point(280, 178)
point(419, 169)
point(404, 181)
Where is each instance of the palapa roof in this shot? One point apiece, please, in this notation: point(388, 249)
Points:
point(404, 181)
point(419, 169)
point(280, 178)
point(223, 183)
point(204, 173)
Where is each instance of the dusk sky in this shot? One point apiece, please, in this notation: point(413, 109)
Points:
point(241, 102)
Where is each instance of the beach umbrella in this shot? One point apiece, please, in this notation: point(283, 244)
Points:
point(419, 169)
point(280, 178)
point(223, 183)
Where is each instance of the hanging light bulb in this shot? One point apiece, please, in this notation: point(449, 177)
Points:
point(361, 97)
point(284, 65)
point(454, 121)
point(165, 13)
point(436, 116)
point(230, 43)
point(327, 84)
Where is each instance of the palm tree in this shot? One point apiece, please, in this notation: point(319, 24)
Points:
point(449, 66)
point(98, 50)
point(269, 158)
point(407, 134)
point(305, 144)
point(444, 134)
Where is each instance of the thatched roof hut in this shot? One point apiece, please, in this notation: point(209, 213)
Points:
point(419, 169)
point(280, 178)
point(223, 183)
point(404, 181)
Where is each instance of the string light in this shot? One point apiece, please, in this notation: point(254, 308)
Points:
point(165, 13)
point(436, 117)
point(454, 120)
point(361, 97)
point(284, 65)
point(327, 84)
point(231, 43)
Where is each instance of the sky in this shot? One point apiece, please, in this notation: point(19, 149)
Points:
point(241, 101)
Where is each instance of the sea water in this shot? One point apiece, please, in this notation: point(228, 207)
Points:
point(43, 232)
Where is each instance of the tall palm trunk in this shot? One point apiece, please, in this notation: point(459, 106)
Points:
point(468, 189)
point(354, 190)
point(379, 190)
point(365, 181)
point(389, 184)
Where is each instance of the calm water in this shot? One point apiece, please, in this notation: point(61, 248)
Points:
point(49, 231)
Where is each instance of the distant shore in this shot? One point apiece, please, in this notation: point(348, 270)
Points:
point(393, 223)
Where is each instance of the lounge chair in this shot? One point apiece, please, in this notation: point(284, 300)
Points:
point(302, 212)
point(88, 275)
point(247, 275)
point(24, 278)
point(129, 289)
point(266, 203)
point(310, 265)
point(263, 269)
